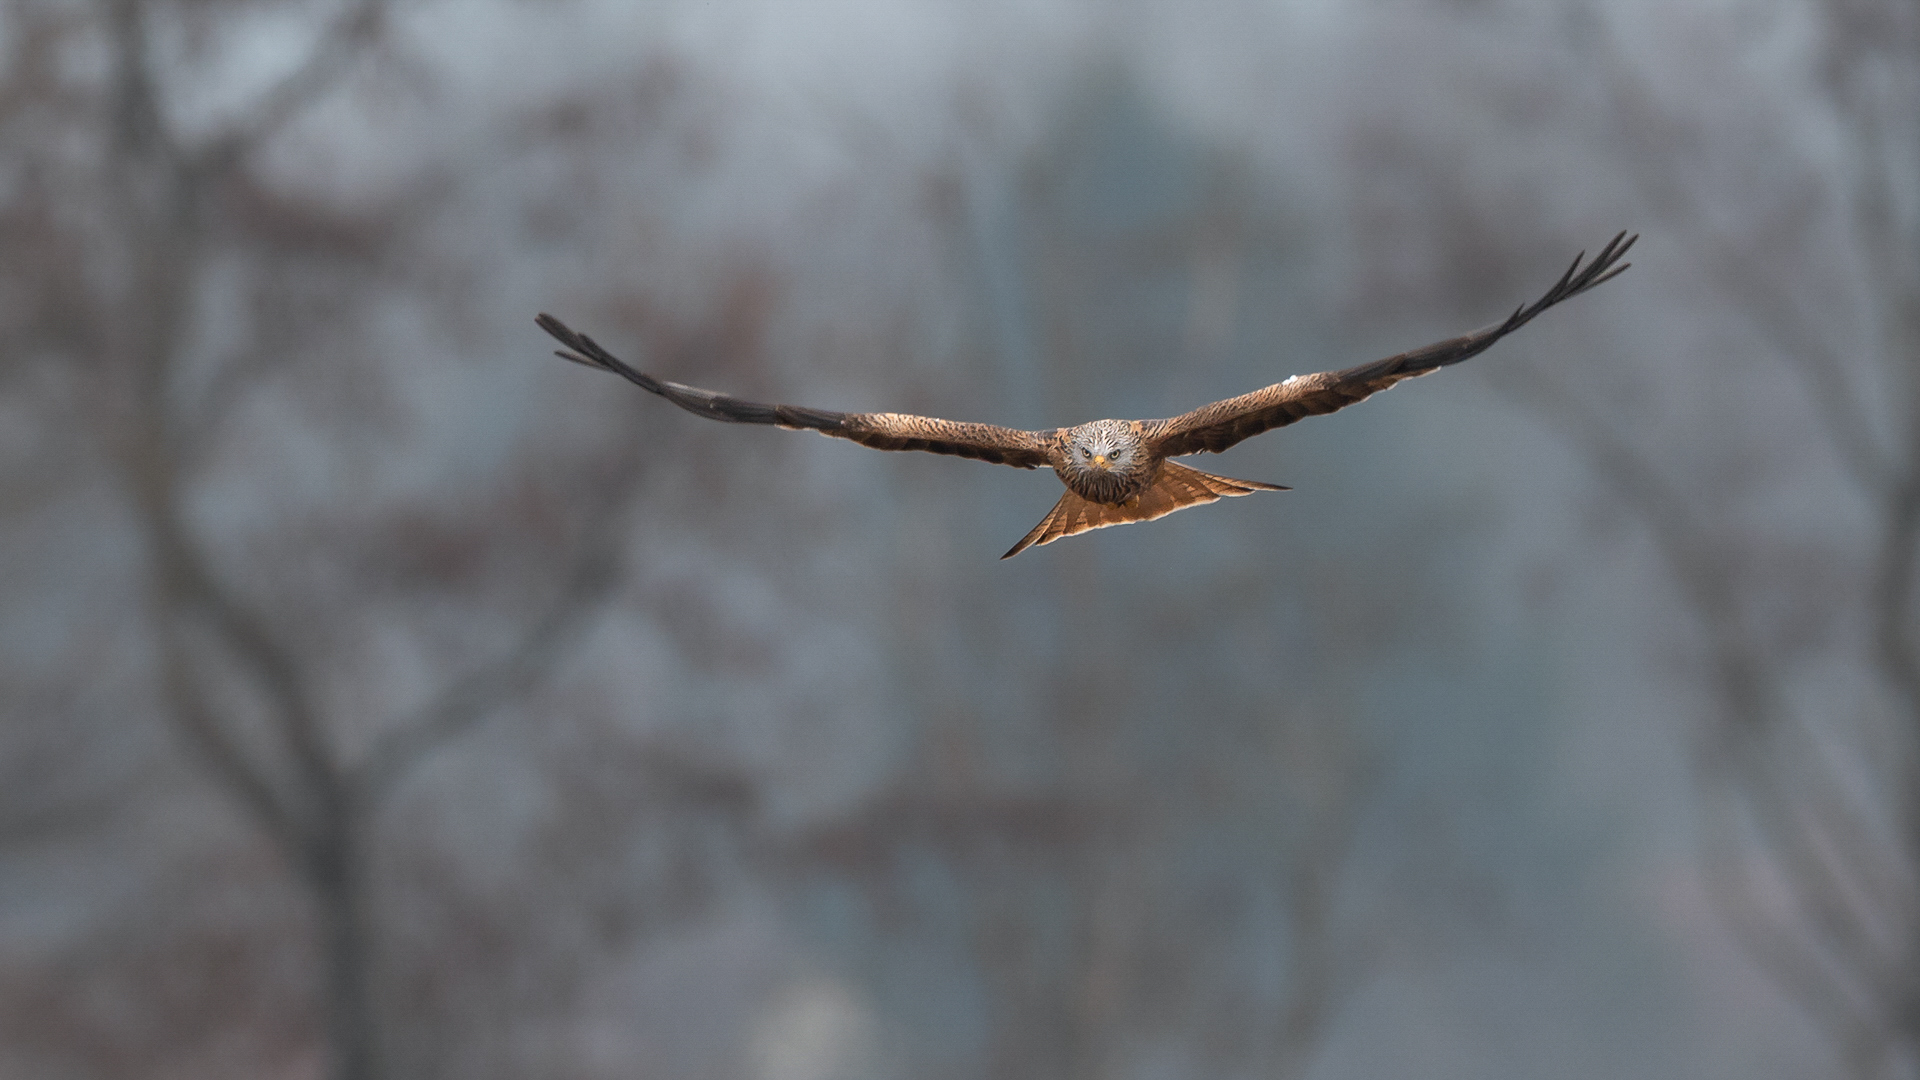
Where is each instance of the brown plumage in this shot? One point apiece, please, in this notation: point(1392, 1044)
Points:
point(1115, 471)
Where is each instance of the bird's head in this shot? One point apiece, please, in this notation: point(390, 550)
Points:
point(1103, 446)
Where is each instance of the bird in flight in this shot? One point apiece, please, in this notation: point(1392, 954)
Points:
point(1115, 471)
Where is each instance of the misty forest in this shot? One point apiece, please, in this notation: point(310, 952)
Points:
point(384, 699)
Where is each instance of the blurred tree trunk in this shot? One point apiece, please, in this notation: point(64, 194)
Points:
point(338, 879)
point(164, 190)
point(319, 808)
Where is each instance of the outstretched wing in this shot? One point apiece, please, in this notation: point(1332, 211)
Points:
point(1220, 425)
point(882, 431)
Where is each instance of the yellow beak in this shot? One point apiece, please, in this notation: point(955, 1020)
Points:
point(1100, 460)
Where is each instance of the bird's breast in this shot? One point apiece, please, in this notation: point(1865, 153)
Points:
point(1109, 486)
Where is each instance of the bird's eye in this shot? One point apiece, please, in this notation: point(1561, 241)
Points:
point(1085, 452)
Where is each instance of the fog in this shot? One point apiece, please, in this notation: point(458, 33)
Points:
point(381, 697)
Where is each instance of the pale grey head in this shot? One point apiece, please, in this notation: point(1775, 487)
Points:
point(1107, 461)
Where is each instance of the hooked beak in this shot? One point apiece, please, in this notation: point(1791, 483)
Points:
point(1100, 461)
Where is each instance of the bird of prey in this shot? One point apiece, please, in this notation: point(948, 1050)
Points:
point(1115, 471)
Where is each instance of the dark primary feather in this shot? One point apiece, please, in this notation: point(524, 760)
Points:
point(1217, 426)
point(881, 431)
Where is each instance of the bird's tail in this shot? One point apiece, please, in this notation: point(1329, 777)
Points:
point(1177, 488)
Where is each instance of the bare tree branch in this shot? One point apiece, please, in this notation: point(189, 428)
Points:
point(1853, 1026)
point(329, 60)
point(165, 248)
point(243, 779)
point(1893, 595)
point(1868, 866)
point(1844, 419)
point(1816, 884)
point(139, 120)
point(188, 588)
point(589, 584)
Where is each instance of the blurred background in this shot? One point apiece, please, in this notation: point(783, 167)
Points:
point(382, 698)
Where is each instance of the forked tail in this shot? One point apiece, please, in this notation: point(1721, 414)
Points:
point(1177, 488)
